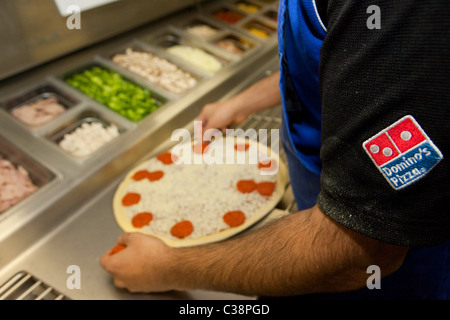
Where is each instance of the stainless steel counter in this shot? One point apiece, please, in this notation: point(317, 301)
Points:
point(69, 220)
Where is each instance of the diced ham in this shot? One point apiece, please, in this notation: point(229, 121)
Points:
point(40, 112)
point(15, 185)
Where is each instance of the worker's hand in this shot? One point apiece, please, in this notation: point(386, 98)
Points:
point(143, 266)
point(220, 115)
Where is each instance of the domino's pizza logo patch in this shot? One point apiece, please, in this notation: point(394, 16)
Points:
point(402, 152)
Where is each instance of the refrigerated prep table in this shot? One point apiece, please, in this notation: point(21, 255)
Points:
point(68, 221)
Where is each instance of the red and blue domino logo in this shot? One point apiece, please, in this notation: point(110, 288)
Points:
point(403, 152)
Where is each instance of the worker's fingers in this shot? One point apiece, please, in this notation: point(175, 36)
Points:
point(207, 112)
point(203, 116)
point(119, 284)
point(124, 238)
point(210, 132)
point(198, 130)
point(208, 128)
point(107, 261)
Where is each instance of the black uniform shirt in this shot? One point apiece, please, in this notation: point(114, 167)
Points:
point(385, 90)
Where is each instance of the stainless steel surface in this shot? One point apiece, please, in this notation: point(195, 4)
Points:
point(34, 32)
point(69, 221)
point(23, 286)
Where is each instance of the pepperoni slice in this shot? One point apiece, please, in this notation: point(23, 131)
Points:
point(142, 219)
point(131, 199)
point(246, 186)
point(118, 247)
point(234, 218)
point(265, 165)
point(241, 147)
point(151, 176)
point(155, 175)
point(182, 229)
point(167, 158)
point(265, 188)
point(138, 176)
point(200, 147)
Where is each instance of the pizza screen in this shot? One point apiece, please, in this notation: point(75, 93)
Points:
point(178, 201)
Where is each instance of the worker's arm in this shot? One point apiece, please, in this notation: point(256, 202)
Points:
point(305, 252)
point(261, 95)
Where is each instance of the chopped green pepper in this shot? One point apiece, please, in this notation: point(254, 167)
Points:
point(109, 88)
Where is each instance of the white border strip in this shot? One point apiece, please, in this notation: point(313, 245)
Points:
point(318, 16)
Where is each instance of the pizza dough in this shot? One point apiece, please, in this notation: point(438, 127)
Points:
point(196, 194)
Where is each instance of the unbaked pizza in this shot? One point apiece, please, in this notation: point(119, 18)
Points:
point(201, 192)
